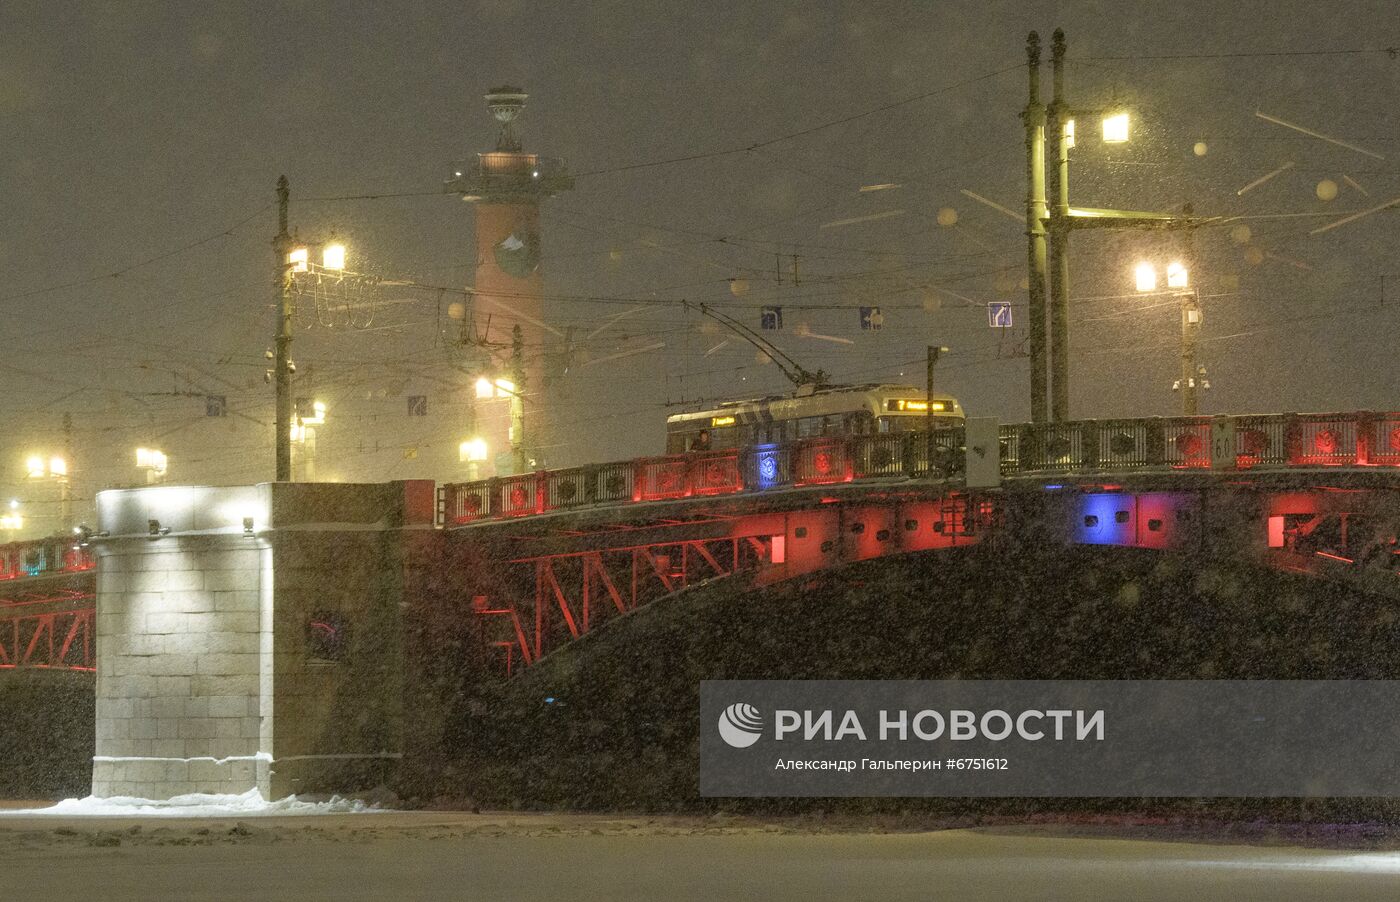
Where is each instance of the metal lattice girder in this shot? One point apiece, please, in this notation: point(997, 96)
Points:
point(573, 585)
point(58, 640)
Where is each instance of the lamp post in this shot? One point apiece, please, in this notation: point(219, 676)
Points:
point(1036, 214)
point(282, 250)
point(1060, 219)
point(291, 257)
point(1192, 379)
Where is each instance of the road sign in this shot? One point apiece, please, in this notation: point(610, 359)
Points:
point(999, 314)
point(771, 319)
point(871, 319)
point(417, 405)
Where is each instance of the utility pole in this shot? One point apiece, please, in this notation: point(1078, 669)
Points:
point(282, 249)
point(1057, 220)
point(517, 401)
point(1036, 214)
point(933, 353)
point(1190, 330)
point(65, 483)
point(1059, 240)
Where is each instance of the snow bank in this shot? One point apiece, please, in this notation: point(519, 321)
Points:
point(198, 805)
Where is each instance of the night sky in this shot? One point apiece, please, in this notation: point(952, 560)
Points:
point(143, 141)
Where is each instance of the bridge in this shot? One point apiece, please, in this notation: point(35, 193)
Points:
point(47, 595)
point(566, 549)
point(287, 636)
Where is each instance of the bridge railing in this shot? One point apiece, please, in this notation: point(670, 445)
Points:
point(815, 461)
point(40, 557)
point(1276, 441)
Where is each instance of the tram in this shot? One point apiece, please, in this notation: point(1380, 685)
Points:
point(832, 410)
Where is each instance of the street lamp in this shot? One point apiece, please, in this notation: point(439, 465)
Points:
point(487, 388)
point(1055, 220)
point(292, 257)
point(1193, 376)
point(1115, 128)
point(333, 256)
point(473, 452)
point(1146, 275)
point(54, 468)
point(154, 462)
point(12, 519)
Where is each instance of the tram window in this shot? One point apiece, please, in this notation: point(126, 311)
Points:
point(904, 424)
point(857, 423)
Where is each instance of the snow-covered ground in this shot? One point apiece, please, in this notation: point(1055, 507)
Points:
point(452, 855)
point(248, 804)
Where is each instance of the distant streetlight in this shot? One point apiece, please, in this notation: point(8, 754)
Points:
point(299, 433)
point(333, 256)
point(1193, 376)
point(154, 462)
point(317, 417)
point(473, 450)
point(38, 466)
point(52, 468)
point(1146, 275)
point(12, 519)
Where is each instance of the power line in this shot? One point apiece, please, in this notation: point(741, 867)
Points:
point(134, 266)
point(746, 148)
point(1391, 52)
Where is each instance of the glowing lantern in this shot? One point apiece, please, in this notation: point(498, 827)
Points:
point(1146, 277)
point(333, 256)
point(1115, 128)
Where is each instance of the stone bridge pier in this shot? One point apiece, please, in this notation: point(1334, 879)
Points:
point(251, 637)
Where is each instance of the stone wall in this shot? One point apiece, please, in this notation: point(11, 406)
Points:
point(249, 637)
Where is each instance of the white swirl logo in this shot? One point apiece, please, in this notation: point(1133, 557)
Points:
point(740, 725)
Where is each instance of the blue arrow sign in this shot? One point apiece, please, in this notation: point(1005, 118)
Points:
point(999, 314)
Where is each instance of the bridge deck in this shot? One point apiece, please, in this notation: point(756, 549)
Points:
point(1362, 447)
